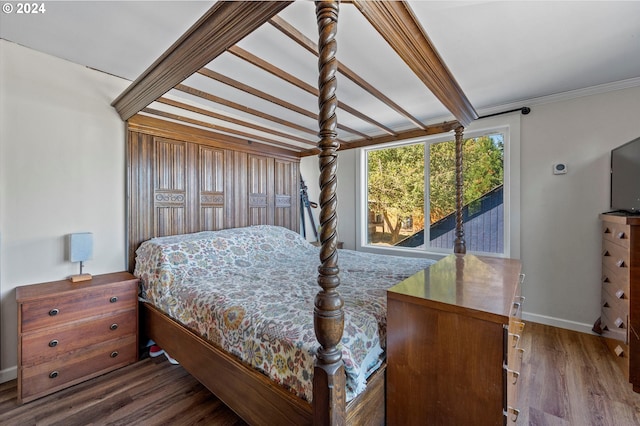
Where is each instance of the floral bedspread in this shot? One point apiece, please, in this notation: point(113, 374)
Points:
point(251, 292)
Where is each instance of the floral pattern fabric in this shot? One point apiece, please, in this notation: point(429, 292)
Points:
point(251, 292)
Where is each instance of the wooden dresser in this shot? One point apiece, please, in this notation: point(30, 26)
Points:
point(453, 335)
point(70, 332)
point(620, 314)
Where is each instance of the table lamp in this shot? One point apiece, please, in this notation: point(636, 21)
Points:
point(80, 250)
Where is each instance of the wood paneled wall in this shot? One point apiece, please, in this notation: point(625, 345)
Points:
point(183, 180)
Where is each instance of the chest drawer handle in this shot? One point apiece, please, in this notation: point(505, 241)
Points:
point(53, 343)
point(620, 235)
point(53, 374)
point(619, 323)
point(114, 354)
point(620, 294)
point(113, 299)
point(516, 339)
point(113, 327)
point(54, 312)
point(620, 263)
point(513, 412)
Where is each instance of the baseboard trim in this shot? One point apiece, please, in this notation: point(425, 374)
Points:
point(558, 322)
point(7, 374)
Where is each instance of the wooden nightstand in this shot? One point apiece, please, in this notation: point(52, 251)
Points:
point(71, 332)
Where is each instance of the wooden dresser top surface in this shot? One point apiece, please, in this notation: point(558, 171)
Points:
point(32, 291)
point(486, 285)
point(621, 218)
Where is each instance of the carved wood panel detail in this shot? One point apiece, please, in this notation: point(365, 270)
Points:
point(182, 186)
point(212, 188)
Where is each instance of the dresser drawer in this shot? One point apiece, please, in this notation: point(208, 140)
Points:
point(616, 297)
point(615, 257)
point(614, 324)
point(66, 308)
point(616, 233)
point(617, 278)
point(73, 368)
point(46, 345)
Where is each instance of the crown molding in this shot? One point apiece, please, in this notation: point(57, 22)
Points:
point(564, 96)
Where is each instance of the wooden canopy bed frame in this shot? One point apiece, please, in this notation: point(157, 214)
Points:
point(158, 201)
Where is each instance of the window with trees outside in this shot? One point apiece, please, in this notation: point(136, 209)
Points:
point(411, 195)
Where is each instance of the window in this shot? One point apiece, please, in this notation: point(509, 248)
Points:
point(409, 193)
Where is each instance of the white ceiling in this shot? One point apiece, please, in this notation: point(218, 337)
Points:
point(501, 52)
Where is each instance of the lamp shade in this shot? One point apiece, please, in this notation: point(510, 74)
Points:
point(80, 246)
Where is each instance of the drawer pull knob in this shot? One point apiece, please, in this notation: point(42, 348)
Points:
point(54, 312)
point(516, 375)
point(113, 327)
point(114, 354)
point(53, 343)
point(620, 294)
point(514, 414)
point(522, 277)
point(619, 351)
point(619, 323)
point(519, 326)
point(113, 299)
point(620, 263)
point(605, 279)
point(620, 235)
point(516, 339)
point(521, 350)
point(53, 374)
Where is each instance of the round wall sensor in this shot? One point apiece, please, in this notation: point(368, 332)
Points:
point(559, 168)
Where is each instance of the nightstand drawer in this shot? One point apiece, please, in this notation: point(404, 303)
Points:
point(77, 305)
point(47, 345)
point(74, 368)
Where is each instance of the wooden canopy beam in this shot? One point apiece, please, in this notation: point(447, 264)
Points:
point(224, 25)
point(238, 122)
point(291, 79)
point(269, 98)
point(434, 129)
point(397, 24)
point(295, 35)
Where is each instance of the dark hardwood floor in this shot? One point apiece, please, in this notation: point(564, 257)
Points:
point(568, 378)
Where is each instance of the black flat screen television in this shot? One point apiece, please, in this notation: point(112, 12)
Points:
point(625, 177)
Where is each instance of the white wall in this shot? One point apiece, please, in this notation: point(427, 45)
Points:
point(346, 176)
point(560, 234)
point(62, 170)
point(561, 238)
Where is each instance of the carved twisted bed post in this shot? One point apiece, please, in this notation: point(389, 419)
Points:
point(459, 245)
point(329, 397)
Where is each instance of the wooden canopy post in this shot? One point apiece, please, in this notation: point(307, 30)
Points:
point(329, 395)
point(459, 245)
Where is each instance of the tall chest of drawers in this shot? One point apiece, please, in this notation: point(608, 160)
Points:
point(620, 313)
point(453, 343)
point(71, 332)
